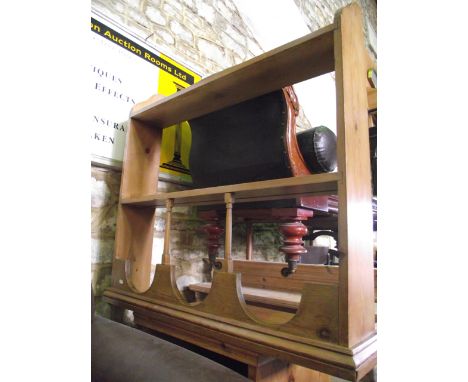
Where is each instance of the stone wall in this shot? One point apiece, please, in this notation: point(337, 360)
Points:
point(105, 186)
point(319, 13)
point(208, 36)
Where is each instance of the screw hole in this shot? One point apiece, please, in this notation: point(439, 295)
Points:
point(324, 333)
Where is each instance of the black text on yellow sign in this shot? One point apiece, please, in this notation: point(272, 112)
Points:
point(138, 50)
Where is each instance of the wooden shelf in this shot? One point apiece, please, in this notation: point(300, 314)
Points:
point(260, 75)
point(283, 188)
point(334, 330)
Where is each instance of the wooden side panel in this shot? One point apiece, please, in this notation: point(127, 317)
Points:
point(141, 160)
point(354, 190)
point(134, 234)
point(134, 243)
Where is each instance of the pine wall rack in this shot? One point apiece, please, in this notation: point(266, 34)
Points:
point(333, 330)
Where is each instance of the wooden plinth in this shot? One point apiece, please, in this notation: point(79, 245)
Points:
point(309, 339)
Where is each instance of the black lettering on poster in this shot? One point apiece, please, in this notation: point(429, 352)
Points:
point(138, 50)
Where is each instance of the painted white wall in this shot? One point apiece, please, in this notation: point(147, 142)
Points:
point(278, 22)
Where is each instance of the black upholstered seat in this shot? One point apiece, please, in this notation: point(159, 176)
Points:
point(120, 353)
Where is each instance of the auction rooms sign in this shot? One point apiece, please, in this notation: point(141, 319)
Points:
point(126, 71)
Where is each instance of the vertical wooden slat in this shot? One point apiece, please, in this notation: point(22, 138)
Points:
point(167, 232)
point(229, 200)
point(356, 302)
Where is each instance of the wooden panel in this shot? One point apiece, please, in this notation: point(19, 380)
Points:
point(282, 371)
point(134, 232)
point(244, 192)
point(134, 243)
point(276, 298)
point(141, 160)
point(262, 74)
point(371, 98)
point(267, 275)
point(354, 191)
point(304, 272)
point(199, 339)
point(270, 282)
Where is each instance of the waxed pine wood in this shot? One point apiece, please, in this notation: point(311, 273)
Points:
point(354, 190)
point(301, 59)
point(134, 232)
point(317, 184)
point(333, 330)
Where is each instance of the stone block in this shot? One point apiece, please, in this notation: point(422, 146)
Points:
point(253, 47)
point(235, 34)
point(163, 37)
point(102, 251)
point(170, 11)
point(224, 10)
point(181, 31)
point(213, 52)
point(190, 5)
point(229, 43)
point(205, 11)
point(140, 19)
point(155, 16)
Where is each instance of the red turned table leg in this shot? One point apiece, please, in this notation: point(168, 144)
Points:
point(293, 246)
point(214, 232)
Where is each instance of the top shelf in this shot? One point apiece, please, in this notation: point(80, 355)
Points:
point(260, 75)
point(284, 188)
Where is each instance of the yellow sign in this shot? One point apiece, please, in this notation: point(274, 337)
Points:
point(176, 140)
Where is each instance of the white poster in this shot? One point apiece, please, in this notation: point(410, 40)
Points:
point(126, 71)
